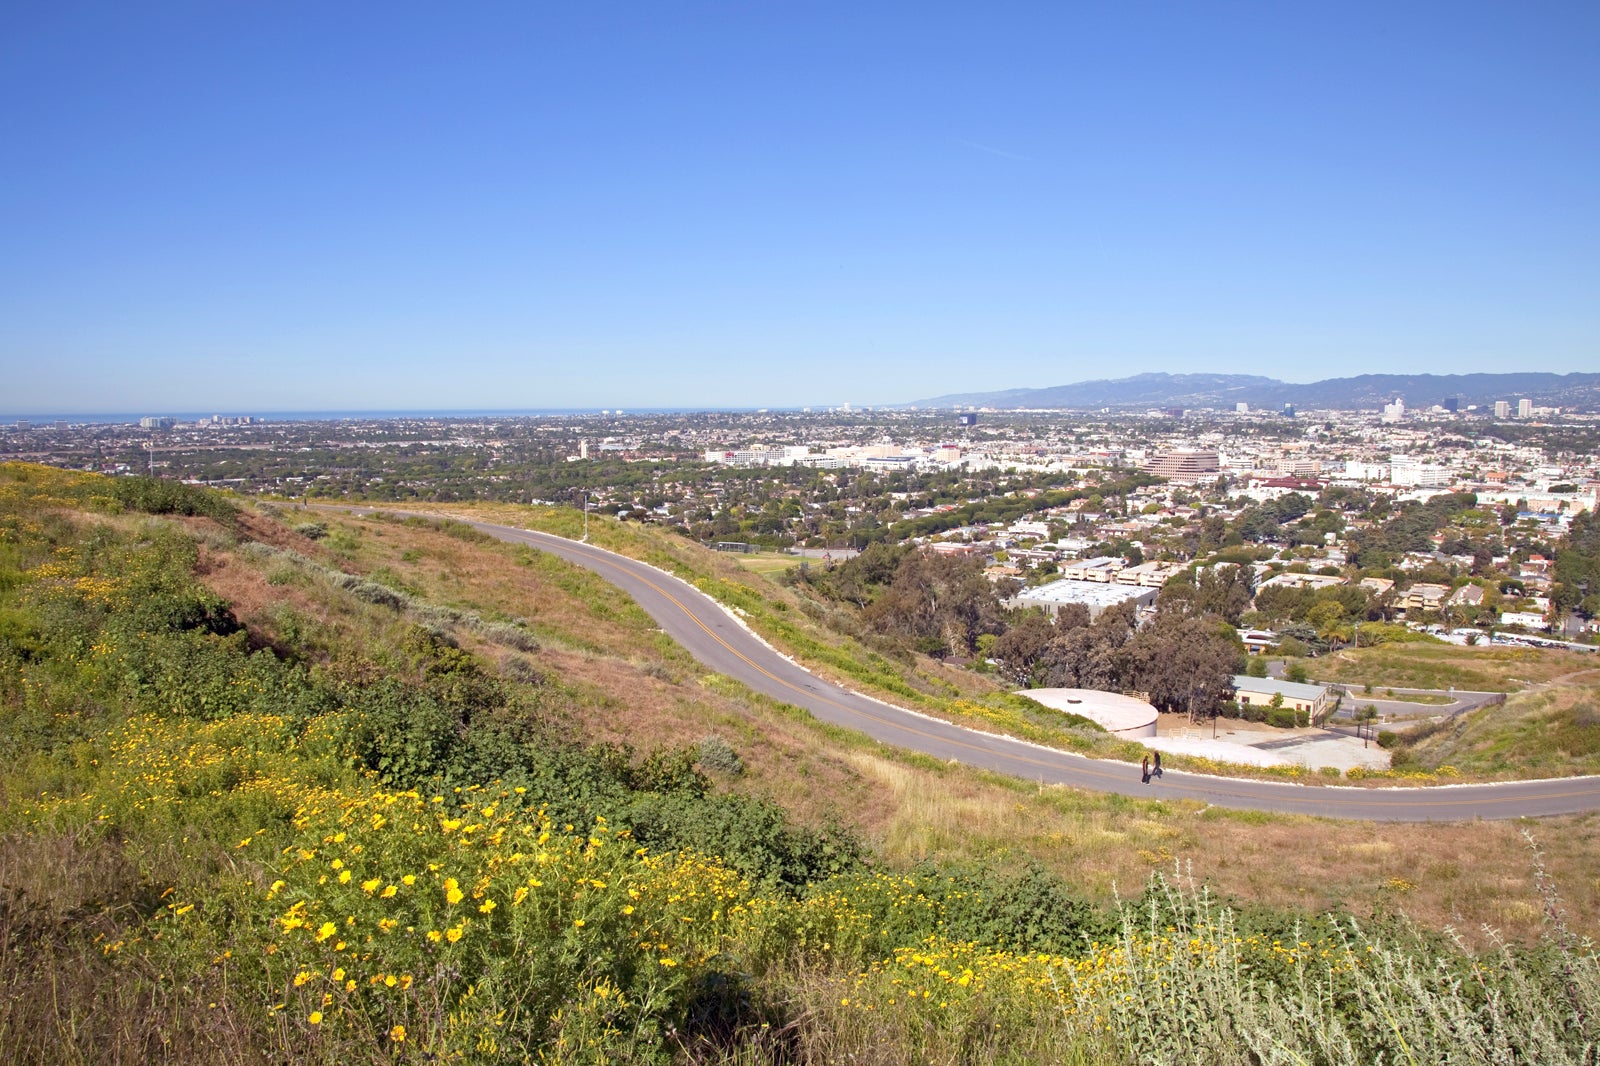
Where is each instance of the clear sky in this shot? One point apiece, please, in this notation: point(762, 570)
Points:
point(249, 206)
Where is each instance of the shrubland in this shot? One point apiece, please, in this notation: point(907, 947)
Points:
point(231, 831)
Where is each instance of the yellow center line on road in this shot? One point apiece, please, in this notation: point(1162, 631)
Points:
point(1358, 796)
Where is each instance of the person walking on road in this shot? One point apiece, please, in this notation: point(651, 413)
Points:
point(1158, 763)
point(1144, 768)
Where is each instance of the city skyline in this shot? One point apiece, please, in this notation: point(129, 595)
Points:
point(300, 210)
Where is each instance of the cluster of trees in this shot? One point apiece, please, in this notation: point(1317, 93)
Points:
point(935, 604)
point(1183, 660)
point(1577, 568)
point(1223, 589)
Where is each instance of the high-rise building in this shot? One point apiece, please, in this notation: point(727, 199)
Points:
point(1394, 412)
point(1524, 408)
point(1452, 404)
point(1241, 408)
point(1502, 409)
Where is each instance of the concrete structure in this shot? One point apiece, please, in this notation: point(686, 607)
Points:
point(1259, 691)
point(1119, 715)
point(1524, 408)
point(1502, 409)
point(1094, 595)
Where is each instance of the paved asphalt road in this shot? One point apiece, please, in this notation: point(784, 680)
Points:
point(1462, 700)
point(721, 644)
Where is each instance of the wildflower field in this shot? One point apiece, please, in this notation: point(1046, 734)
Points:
point(217, 850)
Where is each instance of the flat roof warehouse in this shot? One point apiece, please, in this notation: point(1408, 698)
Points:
point(1095, 595)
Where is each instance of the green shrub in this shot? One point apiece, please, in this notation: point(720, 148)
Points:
point(510, 636)
point(751, 835)
point(160, 496)
point(716, 755)
point(1284, 717)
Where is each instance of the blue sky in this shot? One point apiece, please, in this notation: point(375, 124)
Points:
point(279, 206)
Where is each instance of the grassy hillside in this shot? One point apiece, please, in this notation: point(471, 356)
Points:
point(1551, 730)
point(910, 807)
point(279, 789)
point(1442, 666)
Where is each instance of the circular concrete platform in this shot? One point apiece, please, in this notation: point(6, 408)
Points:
point(1119, 715)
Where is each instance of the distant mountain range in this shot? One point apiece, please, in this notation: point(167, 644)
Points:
point(1225, 390)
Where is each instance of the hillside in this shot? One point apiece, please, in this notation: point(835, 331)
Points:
point(300, 787)
point(1222, 391)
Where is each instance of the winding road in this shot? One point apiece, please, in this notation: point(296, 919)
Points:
point(723, 645)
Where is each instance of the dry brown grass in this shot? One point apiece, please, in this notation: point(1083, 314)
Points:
point(1461, 874)
point(65, 901)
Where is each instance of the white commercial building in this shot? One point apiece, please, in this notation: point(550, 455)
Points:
point(1094, 595)
point(1404, 471)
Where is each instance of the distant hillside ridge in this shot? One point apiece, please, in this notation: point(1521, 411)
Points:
point(1226, 390)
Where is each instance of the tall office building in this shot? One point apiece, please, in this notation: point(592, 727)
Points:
point(1524, 408)
point(1502, 409)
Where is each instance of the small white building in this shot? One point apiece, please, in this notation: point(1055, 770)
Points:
point(1260, 691)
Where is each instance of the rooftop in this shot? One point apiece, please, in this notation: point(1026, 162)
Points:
point(1088, 593)
point(1271, 686)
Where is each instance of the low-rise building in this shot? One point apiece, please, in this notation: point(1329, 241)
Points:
point(1152, 574)
point(1302, 581)
point(1259, 692)
point(1102, 568)
point(1422, 597)
point(1094, 595)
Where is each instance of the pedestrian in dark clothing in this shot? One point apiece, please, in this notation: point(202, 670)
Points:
point(1158, 764)
point(1144, 768)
